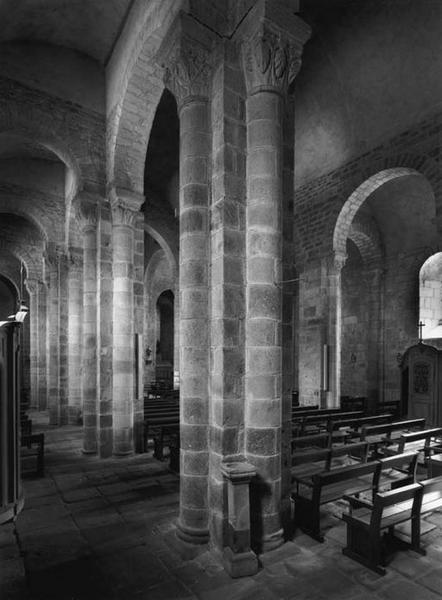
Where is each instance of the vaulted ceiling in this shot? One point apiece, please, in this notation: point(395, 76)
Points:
point(89, 26)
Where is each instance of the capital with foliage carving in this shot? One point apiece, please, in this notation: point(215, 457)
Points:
point(32, 285)
point(272, 40)
point(86, 211)
point(185, 57)
point(125, 206)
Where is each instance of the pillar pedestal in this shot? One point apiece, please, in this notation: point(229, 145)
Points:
point(239, 560)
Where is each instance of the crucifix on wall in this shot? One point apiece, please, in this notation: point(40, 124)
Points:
point(421, 325)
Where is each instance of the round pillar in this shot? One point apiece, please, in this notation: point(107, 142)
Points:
point(124, 210)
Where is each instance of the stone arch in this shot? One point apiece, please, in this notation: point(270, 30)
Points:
point(390, 168)
point(9, 205)
point(357, 199)
point(168, 241)
point(138, 91)
point(29, 126)
point(366, 236)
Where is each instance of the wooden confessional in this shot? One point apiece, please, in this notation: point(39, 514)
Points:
point(421, 383)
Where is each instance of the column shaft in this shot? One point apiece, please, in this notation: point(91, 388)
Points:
point(75, 290)
point(193, 302)
point(123, 348)
point(263, 311)
point(42, 381)
point(89, 358)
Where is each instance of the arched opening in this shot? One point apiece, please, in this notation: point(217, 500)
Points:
point(388, 227)
point(164, 348)
point(8, 298)
point(430, 297)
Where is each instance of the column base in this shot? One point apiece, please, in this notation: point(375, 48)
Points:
point(242, 564)
point(272, 541)
point(88, 452)
point(191, 535)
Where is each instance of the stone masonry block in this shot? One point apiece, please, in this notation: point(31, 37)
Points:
point(261, 332)
point(263, 243)
point(264, 301)
point(195, 463)
point(193, 437)
point(265, 360)
point(194, 411)
point(263, 413)
point(263, 160)
point(194, 489)
point(261, 441)
point(195, 194)
point(193, 220)
point(261, 387)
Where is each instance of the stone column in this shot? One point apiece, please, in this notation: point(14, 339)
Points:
point(334, 329)
point(87, 216)
point(75, 316)
point(271, 49)
point(186, 56)
point(375, 355)
point(32, 287)
point(57, 327)
point(42, 379)
point(125, 206)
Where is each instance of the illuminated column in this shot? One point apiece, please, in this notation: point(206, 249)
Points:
point(185, 54)
point(32, 286)
point(334, 330)
point(87, 217)
point(125, 208)
point(75, 314)
point(273, 39)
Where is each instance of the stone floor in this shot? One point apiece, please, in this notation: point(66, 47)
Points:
point(94, 530)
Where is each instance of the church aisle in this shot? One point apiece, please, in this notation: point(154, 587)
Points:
point(104, 530)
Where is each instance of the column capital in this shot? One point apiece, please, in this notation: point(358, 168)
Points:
point(54, 254)
point(338, 261)
point(125, 206)
point(185, 56)
point(75, 261)
point(32, 285)
point(272, 40)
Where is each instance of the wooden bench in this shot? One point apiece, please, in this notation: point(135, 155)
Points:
point(420, 441)
point(308, 460)
point(328, 486)
point(367, 522)
point(396, 471)
point(316, 423)
point(388, 433)
point(353, 426)
point(34, 445)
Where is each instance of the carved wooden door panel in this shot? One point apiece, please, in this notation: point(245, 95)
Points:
point(423, 383)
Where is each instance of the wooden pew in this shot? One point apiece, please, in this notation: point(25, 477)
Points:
point(403, 466)
point(388, 433)
point(328, 486)
point(34, 445)
point(420, 441)
point(323, 422)
point(161, 418)
point(307, 461)
point(367, 522)
point(354, 425)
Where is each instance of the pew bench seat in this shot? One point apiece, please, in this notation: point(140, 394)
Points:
point(328, 486)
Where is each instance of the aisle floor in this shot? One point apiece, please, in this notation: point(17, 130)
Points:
point(105, 530)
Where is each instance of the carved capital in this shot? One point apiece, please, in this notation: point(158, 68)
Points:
point(86, 211)
point(32, 285)
point(272, 41)
point(75, 261)
point(54, 255)
point(125, 206)
point(185, 58)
